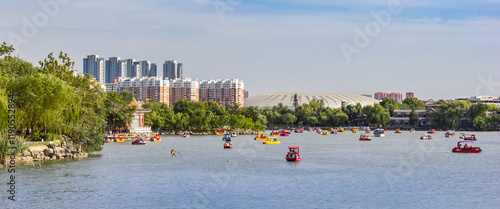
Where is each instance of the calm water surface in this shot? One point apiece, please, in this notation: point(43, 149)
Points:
point(336, 171)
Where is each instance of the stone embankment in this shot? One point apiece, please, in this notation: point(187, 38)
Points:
point(50, 152)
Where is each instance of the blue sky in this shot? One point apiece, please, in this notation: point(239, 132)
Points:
point(437, 49)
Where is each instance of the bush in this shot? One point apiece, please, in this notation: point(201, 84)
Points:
point(19, 146)
point(45, 137)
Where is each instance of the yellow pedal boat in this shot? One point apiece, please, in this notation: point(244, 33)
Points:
point(272, 140)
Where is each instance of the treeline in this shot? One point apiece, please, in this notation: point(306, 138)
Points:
point(200, 116)
point(50, 101)
point(464, 115)
point(317, 114)
point(452, 115)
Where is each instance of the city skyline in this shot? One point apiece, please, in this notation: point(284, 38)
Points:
point(436, 49)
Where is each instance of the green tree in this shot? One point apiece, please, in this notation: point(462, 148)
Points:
point(289, 118)
point(390, 105)
point(413, 118)
point(414, 103)
point(479, 123)
point(376, 115)
point(118, 110)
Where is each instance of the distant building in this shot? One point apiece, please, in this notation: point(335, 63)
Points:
point(410, 94)
point(95, 66)
point(184, 89)
point(401, 118)
point(379, 95)
point(247, 94)
point(144, 88)
point(483, 99)
point(288, 100)
point(129, 65)
point(172, 70)
point(145, 68)
point(138, 126)
point(153, 72)
point(367, 95)
point(224, 92)
point(114, 68)
point(395, 96)
point(435, 105)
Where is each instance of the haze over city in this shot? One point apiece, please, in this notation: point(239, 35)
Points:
point(435, 49)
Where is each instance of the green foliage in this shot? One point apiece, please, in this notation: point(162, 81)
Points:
point(479, 123)
point(413, 103)
point(6, 49)
point(413, 118)
point(202, 116)
point(44, 136)
point(52, 101)
point(6, 147)
point(449, 114)
point(118, 110)
point(390, 105)
point(376, 115)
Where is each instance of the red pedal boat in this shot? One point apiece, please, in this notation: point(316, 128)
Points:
point(284, 132)
point(293, 154)
point(139, 141)
point(463, 147)
point(432, 131)
point(471, 137)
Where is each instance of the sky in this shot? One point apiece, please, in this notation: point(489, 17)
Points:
point(437, 49)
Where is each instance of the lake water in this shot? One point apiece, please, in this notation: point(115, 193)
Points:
point(336, 171)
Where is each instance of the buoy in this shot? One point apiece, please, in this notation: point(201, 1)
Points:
point(227, 160)
point(248, 161)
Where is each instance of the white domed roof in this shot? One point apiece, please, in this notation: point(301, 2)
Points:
point(331, 100)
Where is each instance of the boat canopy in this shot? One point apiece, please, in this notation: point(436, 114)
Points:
point(293, 147)
point(459, 142)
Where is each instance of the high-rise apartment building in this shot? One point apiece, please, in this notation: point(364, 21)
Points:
point(224, 92)
point(395, 96)
point(129, 65)
point(379, 95)
point(114, 69)
point(152, 71)
point(145, 88)
point(145, 68)
point(136, 70)
point(95, 66)
point(172, 69)
point(184, 89)
point(410, 94)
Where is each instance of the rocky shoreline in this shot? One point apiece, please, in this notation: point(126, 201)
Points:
point(40, 153)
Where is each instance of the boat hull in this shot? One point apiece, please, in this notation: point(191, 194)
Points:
point(293, 158)
point(269, 142)
point(466, 150)
point(139, 143)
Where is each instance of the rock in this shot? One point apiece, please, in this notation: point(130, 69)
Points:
point(26, 158)
point(48, 152)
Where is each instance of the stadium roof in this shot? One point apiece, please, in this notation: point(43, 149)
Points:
point(331, 100)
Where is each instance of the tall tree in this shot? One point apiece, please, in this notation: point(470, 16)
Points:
point(413, 118)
